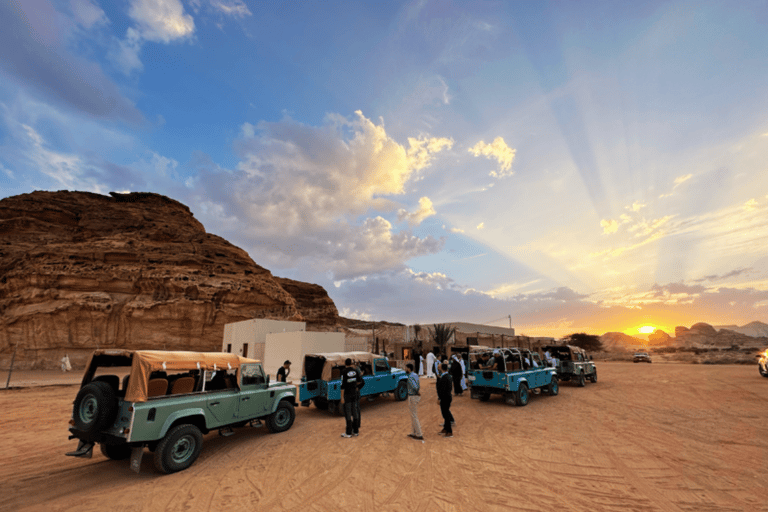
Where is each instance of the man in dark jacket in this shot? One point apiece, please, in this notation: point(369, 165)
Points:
point(444, 384)
point(456, 375)
point(351, 382)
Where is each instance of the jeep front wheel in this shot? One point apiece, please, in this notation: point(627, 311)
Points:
point(95, 408)
point(401, 392)
point(116, 451)
point(522, 394)
point(593, 377)
point(179, 449)
point(282, 419)
point(582, 380)
point(552, 387)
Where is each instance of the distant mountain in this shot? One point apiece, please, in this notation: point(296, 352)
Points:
point(620, 341)
point(753, 329)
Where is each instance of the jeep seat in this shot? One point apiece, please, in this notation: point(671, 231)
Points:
point(157, 387)
point(183, 385)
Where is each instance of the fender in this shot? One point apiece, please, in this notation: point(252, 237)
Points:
point(516, 383)
point(279, 396)
point(184, 413)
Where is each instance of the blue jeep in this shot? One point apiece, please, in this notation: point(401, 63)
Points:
point(515, 373)
point(321, 378)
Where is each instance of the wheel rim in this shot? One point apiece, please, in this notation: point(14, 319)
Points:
point(524, 394)
point(402, 392)
point(282, 417)
point(183, 449)
point(88, 409)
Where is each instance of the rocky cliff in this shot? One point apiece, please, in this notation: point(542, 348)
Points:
point(81, 270)
point(702, 335)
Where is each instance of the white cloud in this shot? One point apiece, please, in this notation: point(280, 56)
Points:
point(161, 21)
point(456, 230)
point(481, 225)
point(636, 206)
point(750, 205)
point(682, 179)
point(318, 196)
point(499, 151)
point(415, 218)
point(87, 14)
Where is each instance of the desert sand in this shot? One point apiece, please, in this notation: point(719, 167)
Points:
point(668, 437)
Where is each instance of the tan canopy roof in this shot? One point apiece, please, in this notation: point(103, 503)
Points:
point(337, 359)
point(147, 361)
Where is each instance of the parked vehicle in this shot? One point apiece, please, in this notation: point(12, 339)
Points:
point(321, 378)
point(168, 400)
point(523, 372)
point(641, 357)
point(762, 364)
point(572, 363)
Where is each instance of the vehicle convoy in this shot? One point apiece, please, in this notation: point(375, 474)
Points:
point(522, 372)
point(572, 363)
point(321, 378)
point(762, 364)
point(168, 400)
point(641, 357)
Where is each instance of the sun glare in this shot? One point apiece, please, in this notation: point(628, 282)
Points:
point(647, 329)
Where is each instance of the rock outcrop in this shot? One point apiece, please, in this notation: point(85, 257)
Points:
point(659, 338)
point(618, 341)
point(80, 270)
point(754, 329)
point(702, 335)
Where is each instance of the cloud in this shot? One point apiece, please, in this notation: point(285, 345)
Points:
point(456, 230)
point(481, 225)
point(636, 206)
point(87, 14)
point(609, 226)
point(161, 21)
point(750, 205)
point(319, 196)
point(415, 218)
point(499, 151)
point(33, 51)
point(233, 8)
point(678, 181)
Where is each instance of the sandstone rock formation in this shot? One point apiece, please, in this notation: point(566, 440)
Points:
point(659, 338)
point(702, 335)
point(754, 329)
point(618, 341)
point(81, 270)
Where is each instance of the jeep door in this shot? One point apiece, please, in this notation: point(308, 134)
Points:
point(254, 396)
point(383, 380)
point(222, 404)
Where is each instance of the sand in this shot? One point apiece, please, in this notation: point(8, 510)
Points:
point(668, 437)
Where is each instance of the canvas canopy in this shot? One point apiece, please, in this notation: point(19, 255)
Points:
point(144, 362)
point(337, 359)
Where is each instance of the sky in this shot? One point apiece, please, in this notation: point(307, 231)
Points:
point(555, 166)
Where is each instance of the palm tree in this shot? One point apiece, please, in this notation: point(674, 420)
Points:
point(441, 335)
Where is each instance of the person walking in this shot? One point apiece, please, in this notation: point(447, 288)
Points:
point(431, 366)
point(456, 375)
point(414, 397)
point(444, 383)
point(351, 382)
point(284, 372)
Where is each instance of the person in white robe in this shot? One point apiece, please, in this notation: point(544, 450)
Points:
point(421, 364)
point(463, 373)
point(431, 359)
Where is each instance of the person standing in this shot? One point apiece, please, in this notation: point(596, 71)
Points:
point(351, 382)
point(431, 366)
point(456, 375)
point(414, 397)
point(444, 382)
point(66, 366)
point(284, 372)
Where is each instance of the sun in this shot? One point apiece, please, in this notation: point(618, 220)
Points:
point(647, 329)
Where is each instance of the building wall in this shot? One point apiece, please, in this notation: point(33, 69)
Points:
point(292, 346)
point(254, 333)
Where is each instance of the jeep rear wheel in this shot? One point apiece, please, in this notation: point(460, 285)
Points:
point(95, 408)
point(116, 451)
point(522, 394)
point(401, 392)
point(282, 419)
point(484, 397)
point(552, 387)
point(179, 449)
point(593, 377)
point(582, 380)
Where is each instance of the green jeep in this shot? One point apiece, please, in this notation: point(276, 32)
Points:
point(166, 401)
point(572, 363)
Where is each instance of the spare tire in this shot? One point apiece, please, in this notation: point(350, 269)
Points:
point(95, 408)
